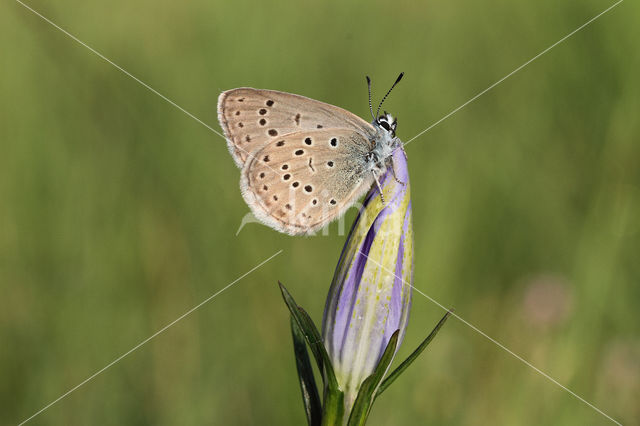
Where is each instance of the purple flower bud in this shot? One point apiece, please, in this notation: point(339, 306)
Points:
point(368, 300)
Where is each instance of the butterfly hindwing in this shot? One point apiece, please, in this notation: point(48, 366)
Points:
point(251, 118)
point(299, 182)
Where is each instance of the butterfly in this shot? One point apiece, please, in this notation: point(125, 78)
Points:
point(303, 162)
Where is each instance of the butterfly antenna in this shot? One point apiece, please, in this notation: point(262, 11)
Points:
point(369, 89)
point(385, 96)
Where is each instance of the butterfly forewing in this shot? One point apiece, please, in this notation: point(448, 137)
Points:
point(251, 118)
point(299, 182)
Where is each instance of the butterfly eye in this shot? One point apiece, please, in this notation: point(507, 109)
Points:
point(385, 125)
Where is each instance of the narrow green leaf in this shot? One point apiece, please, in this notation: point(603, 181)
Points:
point(317, 340)
point(313, 338)
point(308, 334)
point(362, 405)
point(407, 362)
point(310, 397)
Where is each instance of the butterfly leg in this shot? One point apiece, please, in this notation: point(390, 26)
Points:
point(379, 187)
point(393, 172)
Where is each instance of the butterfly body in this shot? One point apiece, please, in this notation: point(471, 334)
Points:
point(304, 162)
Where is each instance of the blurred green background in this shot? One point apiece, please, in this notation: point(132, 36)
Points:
point(118, 212)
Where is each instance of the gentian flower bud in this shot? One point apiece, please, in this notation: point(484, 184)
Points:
point(368, 299)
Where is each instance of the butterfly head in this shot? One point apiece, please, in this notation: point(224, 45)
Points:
point(387, 122)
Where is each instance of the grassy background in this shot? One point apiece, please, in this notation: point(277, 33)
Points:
point(118, 212)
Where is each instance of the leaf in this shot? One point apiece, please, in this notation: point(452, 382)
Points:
point(362, 405)
point(317, 340)
point(407, 362)
point(308, 334)
point(313, 339)
point(310, 397)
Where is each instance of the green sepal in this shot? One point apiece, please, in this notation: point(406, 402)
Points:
point(313, 339)
point(364, 400)
point(333, 409)
point(310, 397)
point(407, 362)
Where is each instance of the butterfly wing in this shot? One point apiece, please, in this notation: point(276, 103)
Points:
point(301, 181)
point(251, 118)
